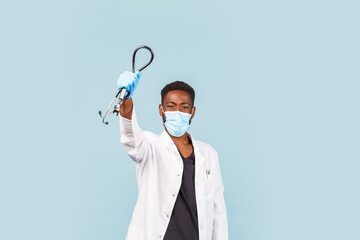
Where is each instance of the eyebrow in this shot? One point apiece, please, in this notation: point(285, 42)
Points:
point(180, 103)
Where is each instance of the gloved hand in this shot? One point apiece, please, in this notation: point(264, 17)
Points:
point(129, 81)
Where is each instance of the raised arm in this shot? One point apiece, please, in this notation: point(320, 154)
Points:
point(133, 138)
point(126, 108)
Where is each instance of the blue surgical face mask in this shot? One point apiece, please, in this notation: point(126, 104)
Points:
point(177, 123)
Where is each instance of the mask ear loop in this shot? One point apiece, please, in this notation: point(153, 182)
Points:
point(191, 116)
point(162, 109)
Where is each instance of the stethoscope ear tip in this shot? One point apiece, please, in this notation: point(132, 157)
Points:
point(103, 118)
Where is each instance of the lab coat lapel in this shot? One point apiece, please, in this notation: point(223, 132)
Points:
point(199, 158)
point(172, 149)
point(166, 139)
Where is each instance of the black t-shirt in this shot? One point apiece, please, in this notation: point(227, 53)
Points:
point(183, 223)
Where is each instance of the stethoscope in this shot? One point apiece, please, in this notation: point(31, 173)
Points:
point(121, 94)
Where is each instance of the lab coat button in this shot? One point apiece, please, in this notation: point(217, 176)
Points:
point(167, 215)
point(173, 195)
point(178, 174)
point(159, 236)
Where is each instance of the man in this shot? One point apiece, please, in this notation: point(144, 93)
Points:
point(180, 189)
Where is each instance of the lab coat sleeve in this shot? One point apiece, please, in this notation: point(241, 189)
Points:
point(134, 139)
point(220, 223)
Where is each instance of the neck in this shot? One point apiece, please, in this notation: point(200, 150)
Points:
point(180, 141)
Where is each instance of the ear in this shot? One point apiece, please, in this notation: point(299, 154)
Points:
point(193, 114)
point(160, 110)
point(162, 113)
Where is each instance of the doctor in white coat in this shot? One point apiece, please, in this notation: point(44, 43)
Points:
point(180, 188)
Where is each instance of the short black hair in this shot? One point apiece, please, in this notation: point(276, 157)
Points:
point(178, 85)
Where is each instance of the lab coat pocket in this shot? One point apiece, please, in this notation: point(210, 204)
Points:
point(209, 179)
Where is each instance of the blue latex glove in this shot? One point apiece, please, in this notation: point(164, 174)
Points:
point(129, 81)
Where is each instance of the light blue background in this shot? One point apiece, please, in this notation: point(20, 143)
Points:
point(277, 95)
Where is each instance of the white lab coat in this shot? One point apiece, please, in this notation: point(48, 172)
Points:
point(159, 170)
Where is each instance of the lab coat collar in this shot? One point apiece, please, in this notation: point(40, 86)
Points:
point(166, 138)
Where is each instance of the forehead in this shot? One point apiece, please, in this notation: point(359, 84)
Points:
point(177, 96)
